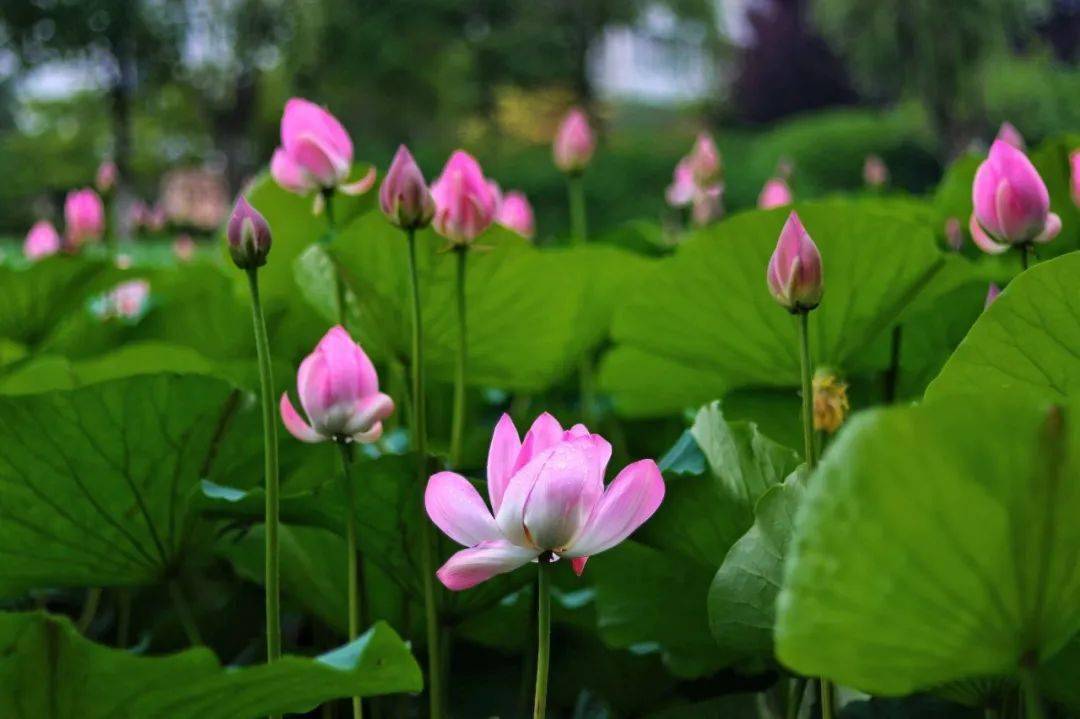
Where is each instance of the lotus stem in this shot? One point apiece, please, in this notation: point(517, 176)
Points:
point(457, 430)
point(543, 644)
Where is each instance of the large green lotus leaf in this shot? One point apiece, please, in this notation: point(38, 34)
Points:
point(35, 299)
point(936, 543)
point(703, 321)
point(95, 482)
point(661, 603)
point(1025, 343)
point(48, 670)
point(742, 597)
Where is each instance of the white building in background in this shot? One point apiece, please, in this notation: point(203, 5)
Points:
point(662, 59)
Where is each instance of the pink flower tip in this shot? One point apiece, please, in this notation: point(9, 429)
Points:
point(248, 235)
point(1008, 133)
point(41, 241)
point(775, 193)
point(466, 202)
point(404, 196)
point(794, 275)
point(574, 143)
point(516, 214)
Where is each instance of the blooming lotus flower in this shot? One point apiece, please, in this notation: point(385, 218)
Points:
point(875, 172)
point(794, 275)
point(775, 193)
point(315, 153)
point(574, 143)
point(515, 213)
point(548, 500)
point(1012, 205)
point(248, 235)
point(465, 201)
point(106, 176)
point(339, 392)
point(954, 234)
point(1008, 133)
point(992, 293)
point(1074, 176)
point(84, 216)
point(404, 196)
point(41, 241)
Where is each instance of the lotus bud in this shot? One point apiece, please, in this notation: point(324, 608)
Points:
point(1012, 205)
point(404, 196)
point(954, 234)
point(465, 201)
point(574, 143)
point(831, 405)
point(992, 293)
point(105, 180)
point(41, 241)
point(875, 172)
point(515, 213)
point(775, 193)
point(248, 235)
point(1008, 133)
point(316, 152)
point(795, 274)
point(84, 216)
point(1074, 176)
point(705, 160)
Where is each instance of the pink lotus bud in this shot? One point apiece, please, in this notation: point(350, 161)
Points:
point(248, 235)
point(574, 143)
point(315, 153)
point(1012, 205)
point(954, 234)
point(106, 177)
point(41, 241)
point(795, 275)
point(183, 248)
point(128, 300)
point(992, 293)
point(875, 173)
point(84, 216)
point(515, 213)
point(775, 193)
point(1008, 133)
point(548, 501)
point(155, 218)
point(339, 392)
point(1074, 176)
point(465, 202)
point(707, 205)
point(404, 196)
point(705, 160)
point(683, 187)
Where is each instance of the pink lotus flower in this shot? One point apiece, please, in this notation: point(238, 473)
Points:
point(339, 391)
point(129, 299)
point(1074, 176)
point(183, 248)
point(84, 216)
point(794, 275)
point(574, 143)
point(1008, 133)
point(775, 193)
point(549, 500)
point(992, 293)
point(705, 160)
point(41, 241)
point(404, 196)
point(465, 201)
point(315, 153)
point(686, 190)
point(954, 234)
point(107, 174)
point(875, 172)
point(1012, 205)
point(708, 205)
point(682, 189)
point(515, 213)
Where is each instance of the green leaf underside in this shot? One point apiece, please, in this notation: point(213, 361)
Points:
point(1027, 342)
point(704, 322)
point(49, 671)
point(94, 482)
point(936, 543)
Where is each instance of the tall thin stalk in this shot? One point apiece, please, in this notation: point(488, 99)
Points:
point(270, 459)
point(807, 390)
point(89, 610)
point(427, 541)
point(579, 232)
point(457, 428)
point(1033, 708)
point(543, 636)
point(350, 554)
point(184, 613)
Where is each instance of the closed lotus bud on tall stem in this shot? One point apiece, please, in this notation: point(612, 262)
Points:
point(404, 196)
point(794, 275)
point(248, 236)
point(574, 143)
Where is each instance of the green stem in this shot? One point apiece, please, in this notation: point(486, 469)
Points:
point(828, 699)
point(807, 389)
point(270, 447)
point(795, 696)
point(892, 375)
point(1025, 261)
point(350, 554)
point(578, 220)
point(543, 635)
point(89, 609)
point(1029, 687)
point(183, 613)
point(457, 429)
point(427, 541)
